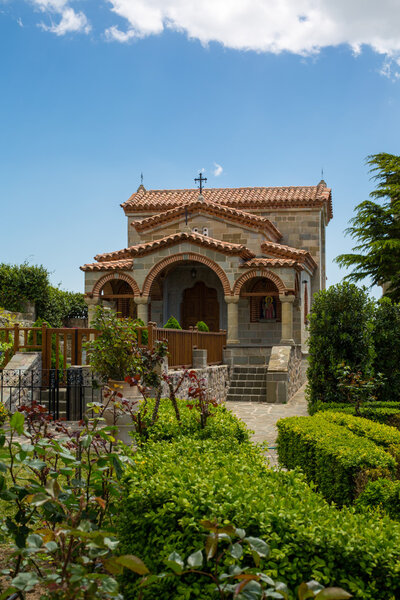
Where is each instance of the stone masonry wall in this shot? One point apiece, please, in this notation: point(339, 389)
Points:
point(294, 371)
point(216, 380)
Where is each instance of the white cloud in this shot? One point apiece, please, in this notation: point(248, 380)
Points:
point(299, 26)
point(217, 170)
point(70, 21)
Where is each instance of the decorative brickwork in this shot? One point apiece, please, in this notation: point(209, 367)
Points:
point(258, 273)
point(181, 257)
point(120, 276)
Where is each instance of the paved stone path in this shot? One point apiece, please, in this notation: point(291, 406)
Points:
point(261, 417)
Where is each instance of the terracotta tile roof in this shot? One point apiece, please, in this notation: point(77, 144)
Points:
point(176, 238)
point(280, 250)
point(211, 208)
point(270, 262)
point(123, 265)
point(242, 198)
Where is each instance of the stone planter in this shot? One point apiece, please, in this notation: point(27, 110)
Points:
point(123, 421)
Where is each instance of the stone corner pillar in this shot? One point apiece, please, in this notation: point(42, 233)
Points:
point(92, 302)
point(233, 319)
point(142, 302)
point(287, 320)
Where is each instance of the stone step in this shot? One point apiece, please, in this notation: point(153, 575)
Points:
point(258, 391)
point(244, 377)
point(246, 398)
point(255, 370)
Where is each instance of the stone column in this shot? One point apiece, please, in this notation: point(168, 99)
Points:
point(142, 302)
point(233, 319)
point(287, 319)
point(91, 304)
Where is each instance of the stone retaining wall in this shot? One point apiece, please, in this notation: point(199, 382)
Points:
point(284, 375)
point(216, 380)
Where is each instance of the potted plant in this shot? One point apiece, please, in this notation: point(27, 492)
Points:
point(116, 358)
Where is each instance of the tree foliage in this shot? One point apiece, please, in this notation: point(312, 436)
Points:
point(340, 326)
point(30, 283)
point(376, 229)
point(387, 348)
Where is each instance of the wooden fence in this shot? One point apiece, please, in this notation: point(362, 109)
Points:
point(61, 347)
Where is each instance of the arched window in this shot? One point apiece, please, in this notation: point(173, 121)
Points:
point(264, 302)
point(120, 293)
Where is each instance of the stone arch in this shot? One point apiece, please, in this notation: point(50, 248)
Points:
point(258, 273)
point(121, 277)
point(186, 256)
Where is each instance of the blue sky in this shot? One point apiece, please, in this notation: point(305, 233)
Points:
point(94, 93)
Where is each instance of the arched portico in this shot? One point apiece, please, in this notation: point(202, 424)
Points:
point(190, 287)
point(181, 258)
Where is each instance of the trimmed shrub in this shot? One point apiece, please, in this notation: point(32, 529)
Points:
point(201, 326)
point(387, 348)
point(172, 323)
point(387, 413)
point(172, 487)
point(335, 459)
point(382, 435)
point(381, 495)
point(221, 424)
point(340, 326)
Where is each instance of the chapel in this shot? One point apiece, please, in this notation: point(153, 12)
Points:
point(247, 260)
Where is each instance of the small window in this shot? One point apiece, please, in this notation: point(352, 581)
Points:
point(195, 230)
point(305, 304)
point(205, 230)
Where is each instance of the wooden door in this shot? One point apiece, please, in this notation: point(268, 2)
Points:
point(200, 303)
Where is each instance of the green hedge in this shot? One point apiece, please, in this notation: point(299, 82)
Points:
point(222, 423)
point(387, 413)
point(172, 487)
point(335, 459)
point(381, 495)
point(382, 435)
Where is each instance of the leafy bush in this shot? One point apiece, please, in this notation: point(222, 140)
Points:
point(113, 353)
point(56, 306)
point(172, 323)
point(387, 348)
point(382, 494)
point(174, 486)
point(201, 326)
point(22, 283)
point(340, 326)
point(335, 459)
point(222, 423)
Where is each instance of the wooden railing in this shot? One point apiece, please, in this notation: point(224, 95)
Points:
point(64, 346)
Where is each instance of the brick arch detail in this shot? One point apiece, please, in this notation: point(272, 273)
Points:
point(120, 277)
point(186, 256)
point(258, 273)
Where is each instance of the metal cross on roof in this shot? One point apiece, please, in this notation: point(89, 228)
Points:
point(200, 179)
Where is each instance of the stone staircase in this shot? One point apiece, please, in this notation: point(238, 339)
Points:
point(248, 384)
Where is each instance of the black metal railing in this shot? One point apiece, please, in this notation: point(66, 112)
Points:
point(64, 392)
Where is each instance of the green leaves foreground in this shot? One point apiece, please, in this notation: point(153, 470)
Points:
point(225, 546)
